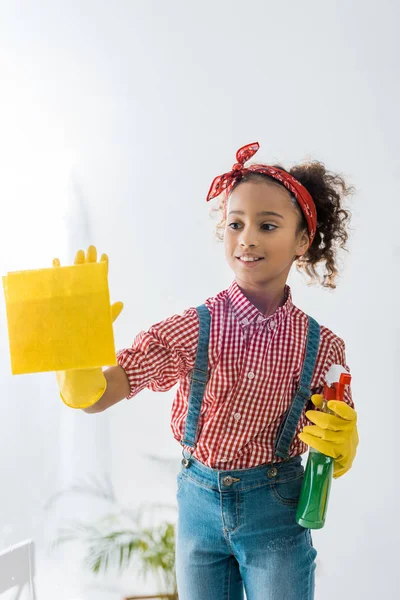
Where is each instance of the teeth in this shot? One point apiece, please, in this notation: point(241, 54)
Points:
point(245, 259)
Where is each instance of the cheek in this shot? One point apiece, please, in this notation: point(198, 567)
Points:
point(228, 242)
point(228, 252)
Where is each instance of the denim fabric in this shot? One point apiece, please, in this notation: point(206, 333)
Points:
point(237, 531)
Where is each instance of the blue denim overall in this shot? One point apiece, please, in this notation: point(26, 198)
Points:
point(237, 530)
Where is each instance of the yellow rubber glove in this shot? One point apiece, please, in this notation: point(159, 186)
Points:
point(334, 435)
point(81, 388)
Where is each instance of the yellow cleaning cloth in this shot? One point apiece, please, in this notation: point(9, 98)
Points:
point(59, 319)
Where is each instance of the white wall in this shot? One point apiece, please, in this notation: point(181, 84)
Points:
point(114, 118)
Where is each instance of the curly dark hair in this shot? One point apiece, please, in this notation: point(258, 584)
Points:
point(328, 191)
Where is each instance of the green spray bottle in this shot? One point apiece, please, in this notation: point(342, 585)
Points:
point(314, 495)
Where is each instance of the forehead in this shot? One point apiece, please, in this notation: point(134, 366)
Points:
point(254, 196)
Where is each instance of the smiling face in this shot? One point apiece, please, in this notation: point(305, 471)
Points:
point(262, 222)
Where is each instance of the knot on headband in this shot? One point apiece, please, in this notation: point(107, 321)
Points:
point(227, 180)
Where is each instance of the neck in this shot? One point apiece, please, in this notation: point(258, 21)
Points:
point(267, 301)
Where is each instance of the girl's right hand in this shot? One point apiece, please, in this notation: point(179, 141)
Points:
point(81, 388)
point(91, 256)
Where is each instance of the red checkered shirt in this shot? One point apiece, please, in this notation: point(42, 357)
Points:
point(254, 366)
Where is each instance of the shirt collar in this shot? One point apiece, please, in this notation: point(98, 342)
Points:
point(246, 312)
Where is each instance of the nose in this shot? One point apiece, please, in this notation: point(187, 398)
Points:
point(249, 236)
point(248, 240)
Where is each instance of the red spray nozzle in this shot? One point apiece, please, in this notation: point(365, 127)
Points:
point(337, 378)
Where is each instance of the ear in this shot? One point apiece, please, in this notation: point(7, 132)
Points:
point(303, 243)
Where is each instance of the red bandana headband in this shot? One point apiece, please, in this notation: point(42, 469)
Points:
point(227, 180)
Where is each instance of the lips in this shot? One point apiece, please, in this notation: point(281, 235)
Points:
point(258, 258)
point(249, 264)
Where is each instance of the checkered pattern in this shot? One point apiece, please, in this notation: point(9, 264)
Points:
point(255, 364)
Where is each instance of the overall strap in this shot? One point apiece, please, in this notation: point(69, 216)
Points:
point(287, 428)
point(199, 378)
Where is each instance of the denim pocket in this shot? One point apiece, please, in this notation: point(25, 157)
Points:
point(180, 479)
point(287, 492)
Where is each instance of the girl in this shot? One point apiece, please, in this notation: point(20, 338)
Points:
point(242, 360)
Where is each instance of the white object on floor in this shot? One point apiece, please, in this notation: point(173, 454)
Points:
point(17, 568)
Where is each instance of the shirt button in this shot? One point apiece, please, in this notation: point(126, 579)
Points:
point(260, 319)
point(245, 321)
point(237, 416)
point(224, 459)
point(272, 324)
point(250, 375)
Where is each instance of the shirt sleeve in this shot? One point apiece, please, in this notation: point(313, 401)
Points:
point(159, 357)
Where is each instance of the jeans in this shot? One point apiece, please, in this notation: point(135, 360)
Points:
point(237, 532)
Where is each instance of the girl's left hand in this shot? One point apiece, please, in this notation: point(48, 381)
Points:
point(333, 435)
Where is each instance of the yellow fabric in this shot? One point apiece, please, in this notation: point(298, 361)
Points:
point(333, 434)
point(81, 388)
point(59, 318)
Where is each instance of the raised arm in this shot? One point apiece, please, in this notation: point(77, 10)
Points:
point(117, 389)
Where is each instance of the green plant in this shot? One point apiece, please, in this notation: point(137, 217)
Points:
point(120, 540)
